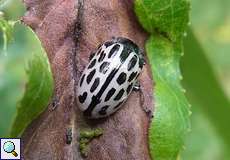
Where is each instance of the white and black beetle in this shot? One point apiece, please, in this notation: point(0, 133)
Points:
point(109, 77)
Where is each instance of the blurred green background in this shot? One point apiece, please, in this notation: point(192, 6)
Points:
point(210, 21)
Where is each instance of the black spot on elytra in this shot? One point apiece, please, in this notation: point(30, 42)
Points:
point(82, 97)
point(121, 78)
point(93, 62)
point(102, 56)
point(132, 62)
point(129, 88)
point(118, 105)
point(95, 84)
point(99, 51)
point(108, 43)
point(82, 79)
point(96, 99)
point(90, 76)
point(103, 110)
point(132, 76)
point(119, 95)
point(104, 67)
point(110, 94)
point(114, 50)
point(125, 53)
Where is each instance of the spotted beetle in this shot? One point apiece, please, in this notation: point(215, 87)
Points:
point(109, 77)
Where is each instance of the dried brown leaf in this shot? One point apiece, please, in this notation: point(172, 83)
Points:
point(69, 30)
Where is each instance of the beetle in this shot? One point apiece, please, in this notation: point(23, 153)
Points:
point(110, 76)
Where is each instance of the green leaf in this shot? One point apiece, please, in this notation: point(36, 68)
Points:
point(6, 27)
point(37, 94)
point(166, 20)
point(168, 17)
point(211, 35)
point(171, 117)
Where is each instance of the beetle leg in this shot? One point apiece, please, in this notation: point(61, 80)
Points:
point(136, 86)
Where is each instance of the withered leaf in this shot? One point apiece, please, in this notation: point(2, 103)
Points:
point(69, 30)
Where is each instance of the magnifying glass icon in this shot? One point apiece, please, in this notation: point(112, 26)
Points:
point(9, 147)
